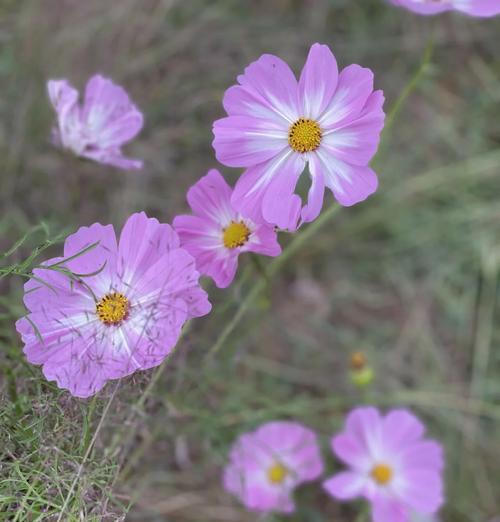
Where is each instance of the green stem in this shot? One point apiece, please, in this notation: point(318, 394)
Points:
point(411, 85)
point(296, 244)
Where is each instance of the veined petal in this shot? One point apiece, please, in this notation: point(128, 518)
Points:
point(355, 84)
point(280, 205)
point(350, 184)
point(243, 141)
point(315, 195)
point(357, 141)
point(272, 80)
point(110, 117)
point(345, 486)
point(210, 197)
point(318, 81)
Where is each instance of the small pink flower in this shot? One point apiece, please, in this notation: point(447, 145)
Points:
point(276, 126)
point(266, 465)
point(97, 129)
point(122, 311)
point(391, 465)
point(471, 7)
point(216, 234)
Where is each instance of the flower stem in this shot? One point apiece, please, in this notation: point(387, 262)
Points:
point(411, 85)
point(296, 244)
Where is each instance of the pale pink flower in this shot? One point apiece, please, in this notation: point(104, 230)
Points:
point(98, 128)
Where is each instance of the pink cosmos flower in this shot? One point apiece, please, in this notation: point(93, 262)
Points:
point(391, 465)
point(266, 465)
point(122, 311)
point(216, 235)
point(276, 126)
point(97, 129)
point(470, 7)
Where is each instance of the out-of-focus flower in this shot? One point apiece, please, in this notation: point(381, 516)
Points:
point(121, 310)
point(217, 234)
point(266, 465)
point(101, 126)
point(276, 126)
point(471, 7)
point(391, 465)
point(361, 372)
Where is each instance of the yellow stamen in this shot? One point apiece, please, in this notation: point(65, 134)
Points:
point(304, 135)
point(112, 309)
point(277, 473)
point(382, 474)
point(236, 234)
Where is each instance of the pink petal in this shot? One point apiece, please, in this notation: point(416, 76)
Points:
point(315, 195)
point(482, 8)
point(264, 240)
point(272, 80)
point(357, 141)
point(99, 260)
point(109, 114)
point(280, 205)
point(251, 187)
point(355, 84)
point(401, 428)
point(64, 99)
point(423, 455)
point(425, 8)
point(350, 448)
point(350, 184)
point(345, 486)
point(243, 141)
point(143, 241)
point(113, 157)
point(424, 490)
point(318, 81)
point(239, 101)
point(296, 445)
point(364, 425)
point(210, 197)
point(387, 510)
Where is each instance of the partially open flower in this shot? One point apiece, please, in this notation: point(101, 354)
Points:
point(268, 464)
point(98, 128)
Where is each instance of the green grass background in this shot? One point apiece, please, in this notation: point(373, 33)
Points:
point(410, 276)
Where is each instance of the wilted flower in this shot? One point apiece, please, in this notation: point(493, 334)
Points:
point(268, 464)
point(121, 310)
point(470, 7)
point(97, 129)
point(216, 234)
point(392, 465)
point(276, 126)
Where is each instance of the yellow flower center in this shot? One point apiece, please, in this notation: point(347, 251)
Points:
point(304, 135)
point(112, 309)
point(277, 473)
point(235, 234)
point(382, 474)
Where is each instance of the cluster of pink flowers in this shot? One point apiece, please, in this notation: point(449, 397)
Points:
point(107, 308)
point(390, 464)
point(110, 306)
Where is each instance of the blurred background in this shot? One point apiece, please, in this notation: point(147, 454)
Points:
point(410, 277)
